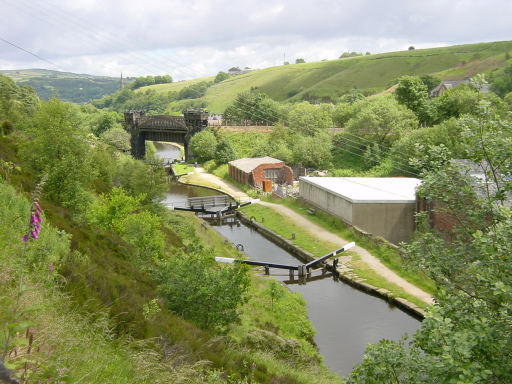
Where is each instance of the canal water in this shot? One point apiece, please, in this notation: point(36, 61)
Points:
point(345, 319)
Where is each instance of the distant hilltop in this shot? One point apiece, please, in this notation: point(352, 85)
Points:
point(68, 86)
point(322, 81)
point(325, 81)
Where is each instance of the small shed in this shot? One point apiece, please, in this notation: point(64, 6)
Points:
point(253, 170)
point(382, 206)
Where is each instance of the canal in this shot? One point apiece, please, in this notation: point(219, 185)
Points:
point(345, 319)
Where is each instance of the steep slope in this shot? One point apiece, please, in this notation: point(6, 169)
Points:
point(325, 80)
point(77, 88)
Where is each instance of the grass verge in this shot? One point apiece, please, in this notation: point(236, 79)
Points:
point(306, 240)
point(388, 256)
point(182, 168)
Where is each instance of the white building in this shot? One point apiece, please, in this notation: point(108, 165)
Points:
point(382, 206)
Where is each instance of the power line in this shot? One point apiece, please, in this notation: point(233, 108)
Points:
point(365, 157)
point(397, 161)
point(249, 108)
point(30, 53)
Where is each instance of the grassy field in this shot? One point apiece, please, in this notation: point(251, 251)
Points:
point(373, 73)
point(177, 86)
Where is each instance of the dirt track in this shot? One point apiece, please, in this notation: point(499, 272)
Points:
point(321, 233)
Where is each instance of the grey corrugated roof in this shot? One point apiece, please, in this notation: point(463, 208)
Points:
point(248, 164)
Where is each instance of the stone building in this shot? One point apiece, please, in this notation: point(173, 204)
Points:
point(450, 84)
point(252, 171)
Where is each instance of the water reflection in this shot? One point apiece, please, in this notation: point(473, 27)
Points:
point(345, 318)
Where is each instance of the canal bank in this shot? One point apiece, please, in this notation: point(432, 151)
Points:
point(341, 273)
point(384, 273)
point(346, 319)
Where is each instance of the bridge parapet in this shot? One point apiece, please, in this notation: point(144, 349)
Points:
point(162, 122)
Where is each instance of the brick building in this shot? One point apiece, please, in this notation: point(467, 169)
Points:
point(253, 171)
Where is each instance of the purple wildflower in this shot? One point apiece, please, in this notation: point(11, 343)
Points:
point(50, 268)
point(34, 227)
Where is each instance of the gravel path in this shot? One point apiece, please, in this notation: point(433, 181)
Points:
point(366, 256)
point(323, 234)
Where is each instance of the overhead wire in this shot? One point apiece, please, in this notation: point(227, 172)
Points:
point(29, 52)
point(249, 110)
point(87, 36)
point(364, 156)
point(398, 164)
point(78, 26)
point(389, 149)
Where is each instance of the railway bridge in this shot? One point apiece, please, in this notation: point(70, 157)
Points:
point(176, 129)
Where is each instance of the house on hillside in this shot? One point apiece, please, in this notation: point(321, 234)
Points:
point(253, 171)
point(449, 84)
point(381, 206)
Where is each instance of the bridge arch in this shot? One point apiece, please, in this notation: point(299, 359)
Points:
point(177, 129)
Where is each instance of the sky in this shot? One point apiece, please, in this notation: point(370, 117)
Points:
point(196, 38)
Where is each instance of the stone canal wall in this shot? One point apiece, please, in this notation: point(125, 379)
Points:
point(348, 278)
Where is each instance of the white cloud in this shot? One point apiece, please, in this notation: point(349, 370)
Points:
point(195, 38)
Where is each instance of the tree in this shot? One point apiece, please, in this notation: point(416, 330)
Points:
point(163, 79)
point(300, 61)
point(117, 137)
point(60, 149)
point(121, 213)
point(141, 177)
point(465, 337)
point(411, 48)
point(411, 92)
point(501, 81)
point(312, 151)
point(104, 122)
point(308, 119)
point(430, 81)
point(381, 120)
point(508, 100)
point(201, 290)
point(203, 145)
point(224, 152)
point(458, 101)
point(352, 96)
point(253, 106)
point(221, 76)
point(344, 55)
point(194, 91)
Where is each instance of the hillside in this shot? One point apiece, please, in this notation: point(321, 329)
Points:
point(325, 80)
point(77, 88)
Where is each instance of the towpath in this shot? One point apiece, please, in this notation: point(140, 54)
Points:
point(202, 177)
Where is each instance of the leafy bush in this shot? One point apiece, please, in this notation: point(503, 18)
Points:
point(224, 152)
point(199, 289)
point(203, 145)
